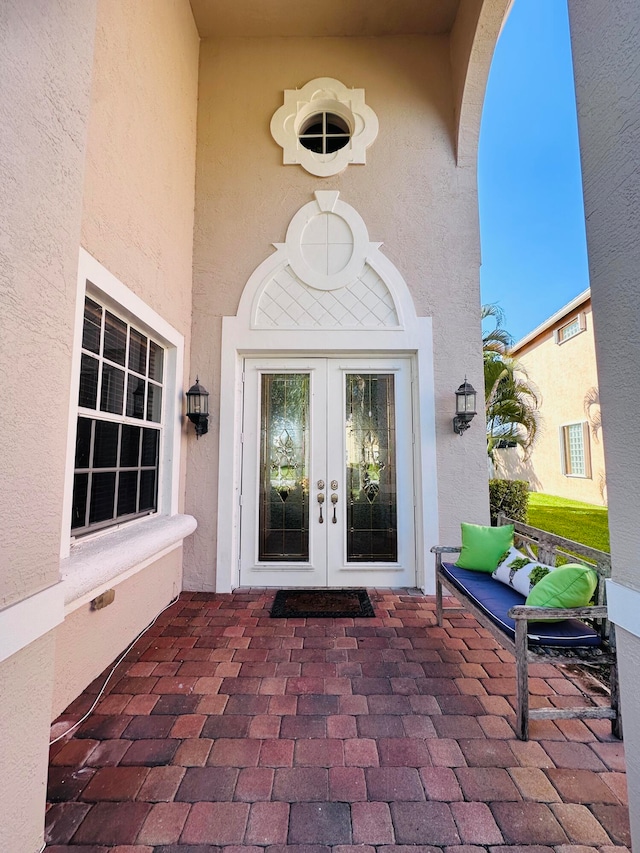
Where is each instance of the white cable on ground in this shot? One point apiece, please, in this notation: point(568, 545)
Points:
point(115, 666)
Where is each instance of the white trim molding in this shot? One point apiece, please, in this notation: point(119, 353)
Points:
point(28, 620)
point(95, 280)
point(623, 604)
point(101, 562)
point(324, 95)
point(399, 331)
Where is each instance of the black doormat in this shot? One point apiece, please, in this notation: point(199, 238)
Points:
point(325, 603)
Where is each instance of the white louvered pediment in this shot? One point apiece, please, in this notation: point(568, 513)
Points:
point(287, 302)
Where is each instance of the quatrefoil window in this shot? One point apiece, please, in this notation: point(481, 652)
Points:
point(324, 127)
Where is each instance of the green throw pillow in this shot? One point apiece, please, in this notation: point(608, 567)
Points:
point(482, 547)
point(572, 585)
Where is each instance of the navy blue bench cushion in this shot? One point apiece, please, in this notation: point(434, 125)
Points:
point(495, 599)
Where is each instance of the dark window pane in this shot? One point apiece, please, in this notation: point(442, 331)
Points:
point(130, 446)
point(135, 397)
point(335, 143)
point(147, 490)
point(137, 352)
point(88, 394)
point(371, 467)
point(154, 403)
point(112, 394)
point(91, 328)
point(83, 443)
point(127, 492)
point(105, 449)
point(79, 504)
point(156, 361)
point(115, 339)
point(284, 466)
point(336, 124)
point(312, 143)
point(103, 489)
point(150, 447)
point(313, 129)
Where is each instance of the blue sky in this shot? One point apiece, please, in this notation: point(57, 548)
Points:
point(531, 212)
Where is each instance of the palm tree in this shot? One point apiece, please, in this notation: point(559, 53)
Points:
point(511, 403)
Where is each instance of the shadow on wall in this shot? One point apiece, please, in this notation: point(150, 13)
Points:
point(510, 464)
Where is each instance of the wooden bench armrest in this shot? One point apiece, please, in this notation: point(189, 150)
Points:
point(523, 611)
point(446, 549)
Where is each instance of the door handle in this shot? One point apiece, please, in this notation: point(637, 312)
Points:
point(321, 501)
point(334, 501)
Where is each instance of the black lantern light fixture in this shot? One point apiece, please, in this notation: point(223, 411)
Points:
point(465, 407)
point(198, 408)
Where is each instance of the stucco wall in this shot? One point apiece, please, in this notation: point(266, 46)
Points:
point(607, 70)
point(140, 172)
point(138, 222)
point(139, 185)
point(45, 68)
point(410, 194)
point(563, 374)
point(89, 640)
point(26, 680)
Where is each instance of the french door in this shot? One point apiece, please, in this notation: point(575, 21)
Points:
point(327, 495)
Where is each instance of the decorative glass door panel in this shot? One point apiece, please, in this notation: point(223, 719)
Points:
point(372, 530)
point(284, 468)
point(327, 481)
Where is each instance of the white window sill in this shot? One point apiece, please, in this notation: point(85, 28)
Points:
point(96, 564)
point(92, 567)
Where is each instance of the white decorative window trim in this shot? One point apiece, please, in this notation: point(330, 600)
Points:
point(94, 279)
point(245, 336)
point(339, 235)
point(324, 95)
point(569, 330)
point(576, 450)
point(286, 302)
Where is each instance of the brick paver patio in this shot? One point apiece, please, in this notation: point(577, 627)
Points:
point(226, 728)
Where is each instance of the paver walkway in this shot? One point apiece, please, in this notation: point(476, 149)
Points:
point(225, 728)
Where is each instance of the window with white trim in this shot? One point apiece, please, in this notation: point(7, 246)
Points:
point(575, 450)
point(119, 427)
point(324, 127)
point(571, 329)
point(324, 133)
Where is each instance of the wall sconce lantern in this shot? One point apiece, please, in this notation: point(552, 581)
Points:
point(198, 408)
point(465, 407)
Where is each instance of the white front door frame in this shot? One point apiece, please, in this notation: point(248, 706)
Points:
point(327, 563)
point(246, 336)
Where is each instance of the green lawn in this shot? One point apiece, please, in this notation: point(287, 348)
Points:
point(584, 523)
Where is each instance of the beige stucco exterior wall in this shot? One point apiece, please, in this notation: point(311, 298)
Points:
point(563, 374)
point(138, 222)
point(45, 67)
point(26, 680)
point(140, 173)
point(88, 641)
point(410, 194)
point(607, 71)
point(473, 39)
point(45, 97)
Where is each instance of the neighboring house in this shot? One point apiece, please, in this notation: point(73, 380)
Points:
point(567, 458)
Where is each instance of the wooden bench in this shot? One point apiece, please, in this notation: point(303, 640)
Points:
point(521, 641)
